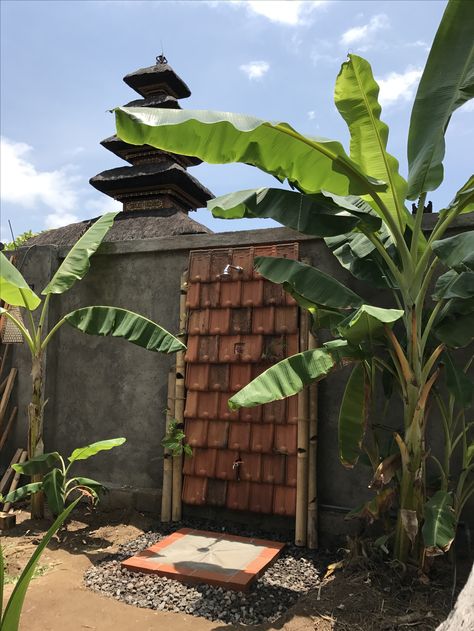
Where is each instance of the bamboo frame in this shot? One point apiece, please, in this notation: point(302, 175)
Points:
point(7, 392)
point(8, 427)
point(180, 395)
point(302, 453)
point(166, 492)
point(312, 535)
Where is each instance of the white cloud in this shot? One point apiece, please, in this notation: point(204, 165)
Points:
point(102, 205)
point(311, 115)
point(255, 69)
point(398, 86)
point(360, 33)
point(58, 219)
point(24, 185)
point(289, 12)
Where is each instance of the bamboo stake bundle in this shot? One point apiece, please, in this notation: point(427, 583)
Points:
point(179, 404)
point(312, 458)
point(302, 455)
point(167, 459)
point(16, 479)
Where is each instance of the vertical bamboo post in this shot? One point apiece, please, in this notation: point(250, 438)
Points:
point(179, 403)
point(302, 454)
point(312, 457)
point(167, 458)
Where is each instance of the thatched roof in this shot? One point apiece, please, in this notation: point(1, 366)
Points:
point(127, 226)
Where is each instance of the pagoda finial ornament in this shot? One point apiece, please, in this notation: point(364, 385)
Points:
point(156, 180)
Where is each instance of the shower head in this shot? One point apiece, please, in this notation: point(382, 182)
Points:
point(226, 274)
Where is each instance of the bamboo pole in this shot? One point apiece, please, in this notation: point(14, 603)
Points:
point(176, 505)
point(4, 357)
point(302, 454)
point(167, 459)
point(312, 458)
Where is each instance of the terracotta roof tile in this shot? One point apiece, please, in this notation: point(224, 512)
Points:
point(219, 377)
point(217, 434)
point(263, 320)
point(251, 467)
point(194, 490)
point(261, 498)
point(284, 500)
point(291, 470)
point(226, 459)
point(239, 436)
point(273, 468)
point(238, 328)
point(241, 321)
point(252, 293)
point(196, 431)
point(216, 492)
point(205, 462)
point(219, 322)
point(238, 495)
point(285, 439)
point(230, 293)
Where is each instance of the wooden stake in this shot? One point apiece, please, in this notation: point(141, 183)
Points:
point(5, 434)
point(312, 458)
point(7, 393)
point(4, 357)
point(5, 481)
point(302, 456)
point(16, 479)
point(167, 459)
point(180, 394)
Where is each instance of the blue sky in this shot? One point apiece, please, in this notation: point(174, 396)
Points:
point(62, 65)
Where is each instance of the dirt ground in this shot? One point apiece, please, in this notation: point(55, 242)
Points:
point(362, 597)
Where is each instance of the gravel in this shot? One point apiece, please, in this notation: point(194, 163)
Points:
point(295, 572)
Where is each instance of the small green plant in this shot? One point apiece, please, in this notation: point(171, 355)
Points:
point(174, 440)
point(20, 240)
point(10, 619)
point(55, 483)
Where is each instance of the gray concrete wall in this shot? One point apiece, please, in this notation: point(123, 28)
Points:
point(105, 387)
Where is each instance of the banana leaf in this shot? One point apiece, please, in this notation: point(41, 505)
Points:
point(77, 263)
point(53, 486)
point(353, 416)
point(368, 324)
point(83, 453)
point(356, 98)
point(456, 330)
point(456, 252)
point(39, 464)
point(446, 84)
point(309, 164)
point(94, 487)
point(310, 283)
point(22, 492)
point(458, 383)
point(284, 379)
point(11, 617)
point(439, 528)
point(371, 268)
point(123, 323)
point(453, 285)
point(14, 290)
point(463, 201)
point(319, 215)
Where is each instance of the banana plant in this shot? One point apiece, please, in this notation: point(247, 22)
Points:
point(357, 202)
point(96, 320)
point(55, 483)
point(10, 618)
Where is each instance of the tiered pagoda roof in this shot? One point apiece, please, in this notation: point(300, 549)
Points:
point(156, 190)
point(157, 179)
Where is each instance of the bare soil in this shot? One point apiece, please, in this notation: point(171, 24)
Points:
point(364, 596)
